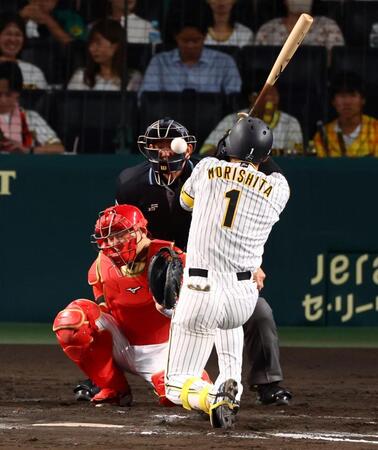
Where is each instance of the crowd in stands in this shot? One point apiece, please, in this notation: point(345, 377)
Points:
point(196, 48)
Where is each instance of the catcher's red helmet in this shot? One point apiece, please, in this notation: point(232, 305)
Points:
point(116, 232)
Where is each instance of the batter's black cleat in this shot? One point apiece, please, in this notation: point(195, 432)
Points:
point(85, 390)
point(223, 410)
point(273, 394)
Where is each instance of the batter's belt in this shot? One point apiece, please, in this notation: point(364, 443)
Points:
point(241, 276)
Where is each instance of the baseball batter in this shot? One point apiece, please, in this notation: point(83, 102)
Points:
point(234, 208)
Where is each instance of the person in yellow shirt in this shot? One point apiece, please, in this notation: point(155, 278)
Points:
point(352, 133)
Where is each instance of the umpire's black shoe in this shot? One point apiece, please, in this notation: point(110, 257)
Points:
point(225, 406)
point(85, 390)
point(273, 393)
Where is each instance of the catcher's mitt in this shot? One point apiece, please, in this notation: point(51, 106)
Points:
point(165, 277)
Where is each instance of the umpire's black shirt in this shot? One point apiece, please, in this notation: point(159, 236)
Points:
point(159, 204)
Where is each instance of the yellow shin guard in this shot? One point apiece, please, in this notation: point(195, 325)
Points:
point(199, 398)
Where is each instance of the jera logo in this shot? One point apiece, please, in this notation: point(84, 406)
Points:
point(343, 289)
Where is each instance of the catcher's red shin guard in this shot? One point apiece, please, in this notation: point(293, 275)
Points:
point(88, 347)
point(157, 380)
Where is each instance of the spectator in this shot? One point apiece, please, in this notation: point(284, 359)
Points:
point(106, 53)
point(323, 32)
point(287, 133)
point(373, 38)
point(21, 131)
point(12, 39)
point(190, 65)
point(138, 30)
point(43, 19)
point(352, 133)
point(223, 29)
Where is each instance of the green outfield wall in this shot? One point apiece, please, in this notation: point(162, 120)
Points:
point(321, 260)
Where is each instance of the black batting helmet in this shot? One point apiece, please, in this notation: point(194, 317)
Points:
point(250, 139)
point(148, 143)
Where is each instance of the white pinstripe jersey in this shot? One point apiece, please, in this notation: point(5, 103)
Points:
point(235, 207)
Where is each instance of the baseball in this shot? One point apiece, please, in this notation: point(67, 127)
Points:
point(179, 145)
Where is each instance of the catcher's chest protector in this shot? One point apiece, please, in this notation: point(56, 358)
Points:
point(131, 304)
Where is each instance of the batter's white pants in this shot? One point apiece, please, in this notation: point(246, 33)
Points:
point(210, 310)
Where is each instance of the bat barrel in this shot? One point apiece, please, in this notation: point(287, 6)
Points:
point(290, 46)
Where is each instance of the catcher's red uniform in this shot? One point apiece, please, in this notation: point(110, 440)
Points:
point(124, 333)
point(129, 299)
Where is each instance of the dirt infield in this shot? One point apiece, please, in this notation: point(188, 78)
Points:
point(335, 406)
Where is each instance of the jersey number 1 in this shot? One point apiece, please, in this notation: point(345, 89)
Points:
point(233, 199)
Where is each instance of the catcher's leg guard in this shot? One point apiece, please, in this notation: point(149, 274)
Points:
point(91, 349)
point(157, 381)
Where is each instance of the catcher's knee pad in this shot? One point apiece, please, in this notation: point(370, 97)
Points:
point(75, 326)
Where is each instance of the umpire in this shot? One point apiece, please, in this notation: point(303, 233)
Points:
point(154, 187)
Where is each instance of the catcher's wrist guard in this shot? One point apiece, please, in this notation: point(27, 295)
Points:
point(165, 277)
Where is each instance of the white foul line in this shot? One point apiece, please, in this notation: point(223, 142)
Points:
point(336, 437)
point(330, 436)
point(77, 425)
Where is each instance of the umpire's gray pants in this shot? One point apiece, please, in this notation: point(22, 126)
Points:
point(261, 346)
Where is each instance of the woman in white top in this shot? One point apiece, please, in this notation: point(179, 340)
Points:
point(223, 29)
point(323, 32)
point(106, 58)
point(12, 39)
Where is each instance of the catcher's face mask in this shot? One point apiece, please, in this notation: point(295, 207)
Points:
point(118, 236)
point(165, 159)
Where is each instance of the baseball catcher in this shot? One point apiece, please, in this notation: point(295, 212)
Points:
point(122, 330)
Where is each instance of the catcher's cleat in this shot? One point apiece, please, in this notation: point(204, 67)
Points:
point(273, 394)
point(85, 390)
point(111, 396)
point(225, 406)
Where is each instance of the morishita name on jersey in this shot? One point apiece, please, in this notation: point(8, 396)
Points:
point(241, 176)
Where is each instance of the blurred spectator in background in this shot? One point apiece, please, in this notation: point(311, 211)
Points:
point(223, 28)
point(324, 31)
point(373, 38)
point(12, 39)
point(138, 30)
point(190, 65)
point(43, 19)
point(21, 131)
point(106, 61)
point(352, 133)
point(287, 133)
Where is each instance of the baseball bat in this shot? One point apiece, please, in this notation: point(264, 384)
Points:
point(290, 46)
